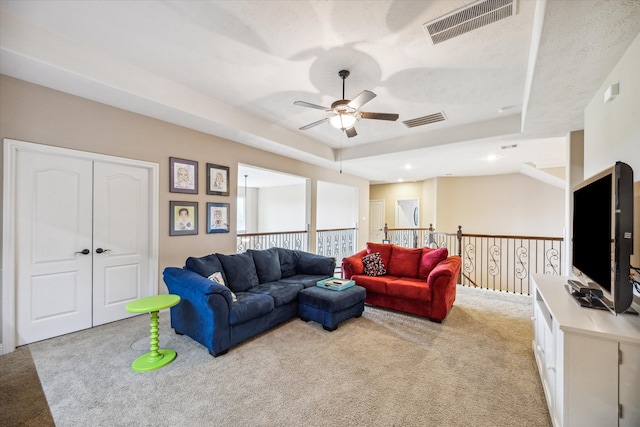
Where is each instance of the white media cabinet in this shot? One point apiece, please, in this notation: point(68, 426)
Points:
point(588, 359)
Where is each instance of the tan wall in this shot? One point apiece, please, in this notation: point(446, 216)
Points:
point(391, 193)
point(511, 204)
point(36, 114)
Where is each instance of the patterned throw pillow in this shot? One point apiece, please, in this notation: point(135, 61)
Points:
point(373, 265)
point(217, 277)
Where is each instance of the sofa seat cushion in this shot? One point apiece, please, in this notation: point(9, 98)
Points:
point(282, 293)
point(404, 262)
point(250, 306)
point(306, 280)
point(267, 264)
point(375, 284)
point(239, 271)
point(410, 288)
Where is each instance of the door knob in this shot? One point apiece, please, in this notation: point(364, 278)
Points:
point(100, 250)
point(83, 252)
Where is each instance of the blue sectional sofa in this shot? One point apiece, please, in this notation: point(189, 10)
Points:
point(227, 299)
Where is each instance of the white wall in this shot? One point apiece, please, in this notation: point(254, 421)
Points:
point(337, 206)
point(612, 129)
point(282, 208)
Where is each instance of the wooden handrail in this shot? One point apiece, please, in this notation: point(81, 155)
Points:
point(274, 233)
point(335, 229)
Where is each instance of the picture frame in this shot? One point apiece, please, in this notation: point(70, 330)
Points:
point(183, 218)
point(183, 176)
point(217, 180)
point(217, 217)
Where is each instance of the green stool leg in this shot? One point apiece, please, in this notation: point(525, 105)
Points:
point(156, 358)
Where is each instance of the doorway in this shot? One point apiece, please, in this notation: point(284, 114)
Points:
point(407, 213)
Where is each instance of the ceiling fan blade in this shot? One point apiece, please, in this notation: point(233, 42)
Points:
point(379, 116)
point(310, 105)
point(362, 98)
point(351, 132)
point(310, 125)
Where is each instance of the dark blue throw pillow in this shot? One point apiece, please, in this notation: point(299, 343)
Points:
point(205, 266)
point(288, 261)
point(240, 271)
point(267, 264)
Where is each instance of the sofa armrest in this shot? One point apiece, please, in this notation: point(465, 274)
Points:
point(204, 309)
point(352, 265)
point(195, 282)
point(443, 280)
point(309, 263)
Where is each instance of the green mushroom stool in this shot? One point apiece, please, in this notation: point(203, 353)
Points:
point(156, 358)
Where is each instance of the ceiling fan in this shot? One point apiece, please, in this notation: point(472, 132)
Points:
point(345, 111)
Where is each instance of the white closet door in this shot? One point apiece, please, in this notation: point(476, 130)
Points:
point(121, 242)
point(53, 227)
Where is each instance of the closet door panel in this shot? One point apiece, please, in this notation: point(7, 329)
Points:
point(54, 225)
point(121, 247)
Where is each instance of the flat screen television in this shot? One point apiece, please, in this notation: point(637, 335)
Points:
point(602, 238)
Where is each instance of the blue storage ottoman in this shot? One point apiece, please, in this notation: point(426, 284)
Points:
point(329, 307)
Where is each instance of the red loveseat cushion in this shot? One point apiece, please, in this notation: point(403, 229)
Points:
point(411, 289)
point(431, 258)
point(404, 262)
point(383, 248)
point(376, 284)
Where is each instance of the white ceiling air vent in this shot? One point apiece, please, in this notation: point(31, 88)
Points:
point(425, 120)
point(476, 15)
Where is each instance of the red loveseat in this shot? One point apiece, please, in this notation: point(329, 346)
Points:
point(421, 281)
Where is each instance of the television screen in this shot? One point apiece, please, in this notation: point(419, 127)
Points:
point(592, 237)
point(602, 239)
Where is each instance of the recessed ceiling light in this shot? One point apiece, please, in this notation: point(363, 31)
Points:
point(491, 157)
point(400, 180)
point(407, 166)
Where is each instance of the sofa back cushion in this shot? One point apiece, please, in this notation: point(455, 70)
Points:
point(430, 258)
point(309, 263)
point(267, 264)
point(205, 266)
point(240, 271)
point(404, 262)
point(383, 248)
point(288, 261)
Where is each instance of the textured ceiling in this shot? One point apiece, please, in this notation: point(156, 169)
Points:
point(235, 68)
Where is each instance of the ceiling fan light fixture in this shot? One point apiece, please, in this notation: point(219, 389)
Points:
point(343, 121)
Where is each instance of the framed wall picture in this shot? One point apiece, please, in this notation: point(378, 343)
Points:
point(217, 180)
point(217, 217)
point(183, 176)
point(183, 218)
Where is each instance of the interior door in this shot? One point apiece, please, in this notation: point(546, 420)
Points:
point(53, 246)
point(376, 220)
point(121, 244)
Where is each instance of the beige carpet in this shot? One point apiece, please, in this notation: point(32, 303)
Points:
point(383, 369)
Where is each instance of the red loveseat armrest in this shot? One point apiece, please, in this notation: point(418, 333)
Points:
point(443, 280)
point(352, 265)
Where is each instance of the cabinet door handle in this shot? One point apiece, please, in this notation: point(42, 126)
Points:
point(100, 250)
point(83, 252)
point(551, 368)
